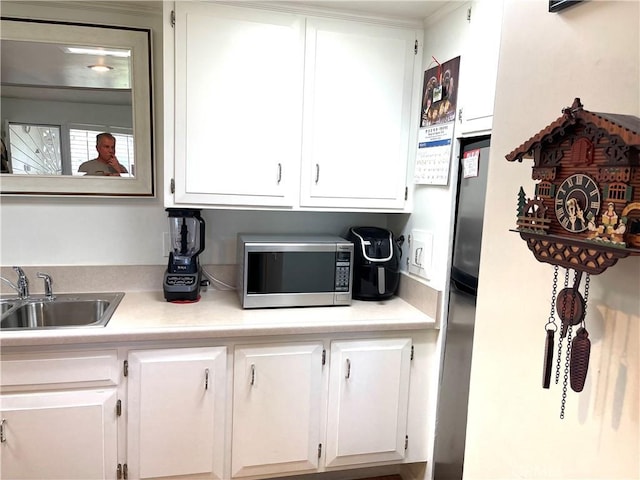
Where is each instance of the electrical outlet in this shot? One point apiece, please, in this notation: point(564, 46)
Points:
point(420, 255)
point(166, 243)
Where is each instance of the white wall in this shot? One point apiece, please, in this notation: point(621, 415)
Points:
point(433, 205)
point(591, 51)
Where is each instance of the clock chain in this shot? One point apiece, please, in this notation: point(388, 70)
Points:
point(567, 362)
point(564, 306)
point(565, 379)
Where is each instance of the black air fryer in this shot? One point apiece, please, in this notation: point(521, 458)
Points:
point(376, 270)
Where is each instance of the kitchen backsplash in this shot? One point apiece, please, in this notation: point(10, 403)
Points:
point(137, 278)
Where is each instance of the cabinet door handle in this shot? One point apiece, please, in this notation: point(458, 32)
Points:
point(279, 173)
point(206, 379)
point(347, 375)
point(3, 436)
point(253, 374)
point(317, 172)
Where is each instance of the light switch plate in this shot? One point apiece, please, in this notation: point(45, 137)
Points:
point(421, 252)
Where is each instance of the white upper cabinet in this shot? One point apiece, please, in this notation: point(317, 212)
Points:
point(358, 91)
point(274, 109)
point(479, 67)
point(238, 105)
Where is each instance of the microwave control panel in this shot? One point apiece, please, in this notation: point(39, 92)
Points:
point(343, 271)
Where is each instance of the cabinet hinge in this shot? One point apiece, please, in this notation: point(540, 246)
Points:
point(415, 48)
point(411, 358)
point(406, 442)
point(122, 471)
point(172, 20)
point(173, 186)
point(119, 408)
point(469, 14)
point(324, 356)
point(319, 450)
point(406, 193)
point(125, 368)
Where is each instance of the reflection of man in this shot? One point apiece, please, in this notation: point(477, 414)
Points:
point(106, 164)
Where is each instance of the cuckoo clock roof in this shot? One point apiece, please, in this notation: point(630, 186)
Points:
point(627, 127)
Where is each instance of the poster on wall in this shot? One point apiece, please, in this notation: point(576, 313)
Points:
point(437, 119)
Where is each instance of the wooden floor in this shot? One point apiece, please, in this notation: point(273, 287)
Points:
point(386, 477)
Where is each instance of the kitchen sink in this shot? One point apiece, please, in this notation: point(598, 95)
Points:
point(4, 306)
point(64, 311)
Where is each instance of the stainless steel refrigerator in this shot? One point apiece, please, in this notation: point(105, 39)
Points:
point(453, 394)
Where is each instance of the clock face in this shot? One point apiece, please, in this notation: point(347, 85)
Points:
point(577, 200)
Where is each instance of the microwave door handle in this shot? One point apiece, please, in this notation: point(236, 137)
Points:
point(381, 283)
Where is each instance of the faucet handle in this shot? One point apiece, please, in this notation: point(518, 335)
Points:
point(48, 284)
point(23, 283)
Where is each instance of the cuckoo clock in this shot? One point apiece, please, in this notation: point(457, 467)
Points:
point(583, 216)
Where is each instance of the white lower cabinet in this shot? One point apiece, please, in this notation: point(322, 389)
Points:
point(276, 408)
point(58, 416)
point(255, 410)
point(59, 435)
point(282, 394)
point(176, 412)
point(368, 401)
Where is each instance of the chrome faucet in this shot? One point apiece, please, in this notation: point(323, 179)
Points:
point(22, 284)
point(48, 285)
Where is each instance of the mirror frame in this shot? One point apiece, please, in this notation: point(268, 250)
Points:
point(138, 40)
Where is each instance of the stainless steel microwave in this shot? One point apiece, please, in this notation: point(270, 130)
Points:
point(294, 270)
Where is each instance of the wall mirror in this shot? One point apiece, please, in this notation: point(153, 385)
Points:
point(62, 84)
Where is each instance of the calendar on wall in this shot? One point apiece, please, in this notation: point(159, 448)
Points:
point(433, 160)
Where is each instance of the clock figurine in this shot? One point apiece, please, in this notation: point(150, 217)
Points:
point(577, 201)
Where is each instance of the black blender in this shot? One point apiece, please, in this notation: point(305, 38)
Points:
point(183, 275)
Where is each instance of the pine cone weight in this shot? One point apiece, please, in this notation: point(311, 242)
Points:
point(580, 351)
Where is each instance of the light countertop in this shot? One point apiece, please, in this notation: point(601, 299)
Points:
point(144, 316)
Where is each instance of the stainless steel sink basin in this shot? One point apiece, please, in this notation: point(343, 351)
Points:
point(4, 306)
point(66, 310)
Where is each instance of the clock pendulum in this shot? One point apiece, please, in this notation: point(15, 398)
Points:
point(551, 328)
point(571, 308)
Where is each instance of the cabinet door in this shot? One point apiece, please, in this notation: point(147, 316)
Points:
point(176, 409)
point(238, 98)
point(368, 401)
point(358, 90)
point(479, 67)
point(59, 435)
point(276, 409)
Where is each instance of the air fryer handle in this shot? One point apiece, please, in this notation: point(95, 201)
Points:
point(381, 283)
